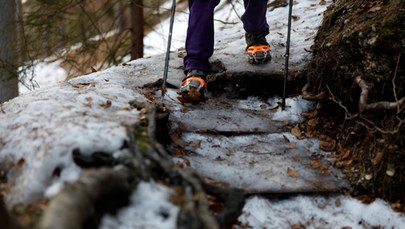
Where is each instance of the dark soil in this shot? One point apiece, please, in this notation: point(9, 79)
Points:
point(363, 38)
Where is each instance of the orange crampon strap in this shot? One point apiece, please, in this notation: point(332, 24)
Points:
point(252, 50)
point(192, 78)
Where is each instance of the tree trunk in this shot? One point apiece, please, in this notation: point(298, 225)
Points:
point(137, 29)
point(8, 50)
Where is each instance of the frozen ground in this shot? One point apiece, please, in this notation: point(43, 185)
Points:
point(41, 129)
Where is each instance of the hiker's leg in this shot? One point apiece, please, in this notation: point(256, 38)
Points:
point(254, 19)
point(200, 35)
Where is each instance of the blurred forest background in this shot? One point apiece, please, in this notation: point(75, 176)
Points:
point(84, 35)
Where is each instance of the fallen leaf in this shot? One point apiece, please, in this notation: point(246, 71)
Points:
point(106, 105)
point(315, 164)
point(378, 157)
point(297, 226)
point(338, 203)
point(312, 122)
point(263, 106)
point(327, 145)
point(292, 172)
point(197, 144)
point(89, 101)
point(184, 110)
point(365, 199)
point(293, 145)
point(178, 153)
point(20, 163)
point(295, 17)
point(263, 114)
point(374, 9)
point(296, 131)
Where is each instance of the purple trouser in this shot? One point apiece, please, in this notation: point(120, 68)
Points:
point(200, 32)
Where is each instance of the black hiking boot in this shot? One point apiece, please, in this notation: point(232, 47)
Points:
point(193, 87)
point(258, 49)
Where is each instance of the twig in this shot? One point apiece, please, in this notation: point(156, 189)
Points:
point(376, 128)
point(393, 81)
point(348, 115)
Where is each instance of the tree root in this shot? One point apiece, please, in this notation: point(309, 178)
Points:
point(76, 203)
point(365, 90)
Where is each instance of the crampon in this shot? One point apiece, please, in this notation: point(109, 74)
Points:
point(258, 54)
point(192, 90)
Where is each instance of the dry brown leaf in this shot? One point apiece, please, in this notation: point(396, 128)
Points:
point(378, 157)
point(263, 114)
point(348, 162)
point(345, 154)
point(292, 172)
point(327, 145)
point(184, 110)
point(312, 122)
point(106, 105)
point(297, 226)
point(295, 17)
point(20, 163)
point(263, 106)
point(374, 9)
point(197, 144)
point(365, 199)
point(338, 203)
point(315, 164)
point(296, 131)
point(293, 145)
point(309, 134)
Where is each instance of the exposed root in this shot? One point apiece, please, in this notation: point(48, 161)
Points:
point(365, 90)
point(309, 96)
point(75, 204)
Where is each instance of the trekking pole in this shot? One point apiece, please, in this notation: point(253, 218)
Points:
point(169, 42)
point(287, 53)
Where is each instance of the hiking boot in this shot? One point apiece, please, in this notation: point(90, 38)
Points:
point(258, 50)
point(193, 87)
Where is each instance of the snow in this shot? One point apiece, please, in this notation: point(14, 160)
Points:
point(152, 209)
point(40, 129)
point(328, 212)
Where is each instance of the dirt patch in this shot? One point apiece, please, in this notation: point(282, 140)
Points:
point(359, 63)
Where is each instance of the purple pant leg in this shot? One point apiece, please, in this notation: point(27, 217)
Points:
point(254, 19)
point(200, 35)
